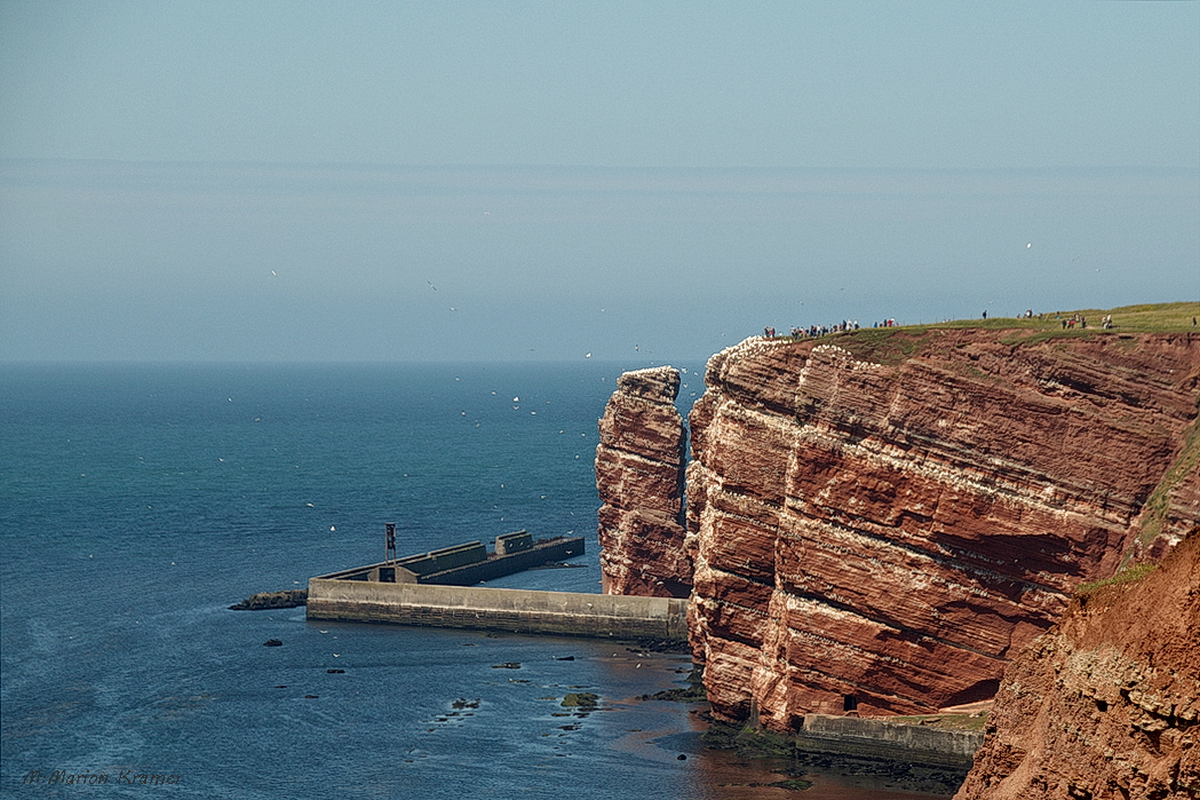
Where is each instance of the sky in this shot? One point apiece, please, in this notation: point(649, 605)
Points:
point(641, 181)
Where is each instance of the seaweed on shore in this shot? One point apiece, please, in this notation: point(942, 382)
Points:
point(588, 700)
point(791, 784)
point(659, 644)
point(693, 693)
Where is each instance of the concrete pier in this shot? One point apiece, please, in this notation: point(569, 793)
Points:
point(514, 610)
point(886, 739)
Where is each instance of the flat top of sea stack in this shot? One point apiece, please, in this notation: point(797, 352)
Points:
point(656, 383)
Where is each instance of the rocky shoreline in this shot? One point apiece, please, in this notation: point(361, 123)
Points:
point(794, 760)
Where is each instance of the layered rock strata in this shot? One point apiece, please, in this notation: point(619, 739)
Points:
point(878, 522)
point(1108, 703)
point(640, 477)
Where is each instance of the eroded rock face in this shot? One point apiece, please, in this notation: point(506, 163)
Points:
point(879, 523)
point(640, 477)
point(1107, 704)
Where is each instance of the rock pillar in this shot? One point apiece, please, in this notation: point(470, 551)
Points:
point(640, 465)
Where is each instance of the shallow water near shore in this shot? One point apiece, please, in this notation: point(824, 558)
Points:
point(137, 503)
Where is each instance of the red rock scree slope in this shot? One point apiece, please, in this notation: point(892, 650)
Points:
point(1106, 705)
point(878, 523)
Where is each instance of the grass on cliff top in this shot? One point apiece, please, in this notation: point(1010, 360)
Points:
point(1131, 574)
point(893, 345)
point(1158, 505)
point(1145, 318)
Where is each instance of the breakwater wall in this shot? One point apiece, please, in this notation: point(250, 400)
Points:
point(513, 610)
point(884, 739)
point(468, 563)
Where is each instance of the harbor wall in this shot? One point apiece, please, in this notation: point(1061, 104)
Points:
point(512, 610)
point(883, 738)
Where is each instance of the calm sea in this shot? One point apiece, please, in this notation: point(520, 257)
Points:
point(138, 502)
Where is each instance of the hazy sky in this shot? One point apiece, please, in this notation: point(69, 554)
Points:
point(641, 180)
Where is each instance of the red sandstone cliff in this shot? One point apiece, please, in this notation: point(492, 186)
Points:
point(1108, 703)
point(879, 522)
point(640, 478)
point(882, 531)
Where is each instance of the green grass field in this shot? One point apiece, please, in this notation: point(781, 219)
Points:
point(1149, 318)
point(893, 345)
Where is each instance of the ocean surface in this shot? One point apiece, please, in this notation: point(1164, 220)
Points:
point(138, 502)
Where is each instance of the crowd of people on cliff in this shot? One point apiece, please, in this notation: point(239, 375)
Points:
point(813, 331)
point(1080, 321)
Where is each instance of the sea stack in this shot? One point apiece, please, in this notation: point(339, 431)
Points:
point(640, 473)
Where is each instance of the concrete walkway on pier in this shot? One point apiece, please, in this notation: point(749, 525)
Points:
point(514, 610)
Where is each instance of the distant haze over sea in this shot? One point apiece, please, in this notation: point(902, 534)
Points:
point(240, 262)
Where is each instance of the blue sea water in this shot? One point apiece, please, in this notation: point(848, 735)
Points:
point(138, 502)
